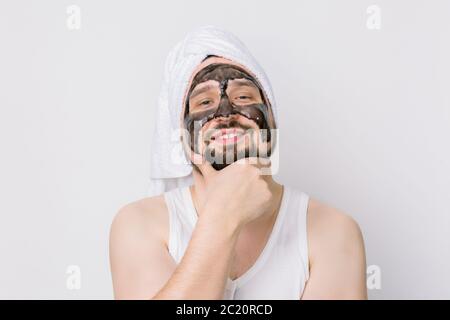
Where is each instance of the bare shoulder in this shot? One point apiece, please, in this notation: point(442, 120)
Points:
point(143, 219)
point(330, 228)
point(139, 260)
point(336, 254)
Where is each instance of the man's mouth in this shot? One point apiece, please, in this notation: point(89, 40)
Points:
point(227, 135)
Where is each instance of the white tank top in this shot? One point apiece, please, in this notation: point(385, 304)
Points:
point(280, 271)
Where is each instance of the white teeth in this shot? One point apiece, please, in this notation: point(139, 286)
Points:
point(229, 135)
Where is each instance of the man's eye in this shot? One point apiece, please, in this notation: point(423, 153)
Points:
point(205, 102)
point(243, 97)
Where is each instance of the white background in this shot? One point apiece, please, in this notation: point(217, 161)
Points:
point(364, 127)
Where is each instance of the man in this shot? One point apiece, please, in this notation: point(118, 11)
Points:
point(235, 233)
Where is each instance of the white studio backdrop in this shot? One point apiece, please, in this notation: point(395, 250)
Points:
point(363, 89)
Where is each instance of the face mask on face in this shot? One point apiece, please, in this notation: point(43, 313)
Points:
point(224, 97)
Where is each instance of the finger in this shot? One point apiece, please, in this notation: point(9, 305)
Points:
point(264, 166)
point(255, 161)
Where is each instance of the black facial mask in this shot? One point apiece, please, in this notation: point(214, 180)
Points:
point(222, 73)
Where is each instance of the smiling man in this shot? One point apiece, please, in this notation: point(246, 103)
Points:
point(234, 232)
point(226, 109)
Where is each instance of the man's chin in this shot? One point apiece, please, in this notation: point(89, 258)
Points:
point(223, 164)
point(220, 160)
point(219, 166)
point(222, 155)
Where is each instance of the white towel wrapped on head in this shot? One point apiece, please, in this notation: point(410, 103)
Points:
point(169, 166)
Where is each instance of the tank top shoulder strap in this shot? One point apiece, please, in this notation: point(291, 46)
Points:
point(302, 215)
point(295, 226)
point(181, 222)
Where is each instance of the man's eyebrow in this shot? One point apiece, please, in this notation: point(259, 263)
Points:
point(201, 90)
point(244, 83)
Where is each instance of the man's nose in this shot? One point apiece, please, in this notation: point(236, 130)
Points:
point(225, 108)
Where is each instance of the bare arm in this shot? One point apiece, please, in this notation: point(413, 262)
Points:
point(142, 268)
point(204, 269)
point(337, 257)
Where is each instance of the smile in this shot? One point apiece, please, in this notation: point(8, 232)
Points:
point(225, 136)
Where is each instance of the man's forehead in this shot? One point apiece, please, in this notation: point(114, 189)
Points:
point(219, 72)
point(214, 84)
point(208, 85)
point(211, 76)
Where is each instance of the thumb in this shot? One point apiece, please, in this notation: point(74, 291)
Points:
point(255, 161)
